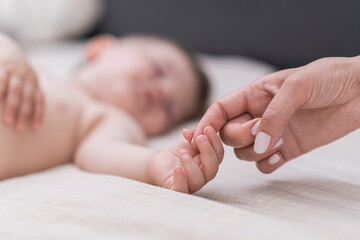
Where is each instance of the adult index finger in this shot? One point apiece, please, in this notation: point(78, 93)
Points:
point(223, 110)
point(236, 103)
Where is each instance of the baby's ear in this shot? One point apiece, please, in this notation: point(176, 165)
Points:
point(98, 44)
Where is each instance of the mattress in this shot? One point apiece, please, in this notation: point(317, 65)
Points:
point(316, 196)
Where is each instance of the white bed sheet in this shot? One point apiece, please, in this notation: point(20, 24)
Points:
point(316, 196)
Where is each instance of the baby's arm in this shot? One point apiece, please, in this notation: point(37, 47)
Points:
point(108, 150)
point(114, 147)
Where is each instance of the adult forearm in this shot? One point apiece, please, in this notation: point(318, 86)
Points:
point(356, 75)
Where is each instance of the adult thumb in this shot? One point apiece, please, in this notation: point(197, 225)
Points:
point(276, 117)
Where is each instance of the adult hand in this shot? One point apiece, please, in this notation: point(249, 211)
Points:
point(299, 109)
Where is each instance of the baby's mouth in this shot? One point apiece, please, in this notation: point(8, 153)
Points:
point(149, 98)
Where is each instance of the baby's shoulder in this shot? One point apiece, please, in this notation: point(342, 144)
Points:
point(103, 119)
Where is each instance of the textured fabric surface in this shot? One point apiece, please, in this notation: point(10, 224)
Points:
point(66, 203)
point(316, 196)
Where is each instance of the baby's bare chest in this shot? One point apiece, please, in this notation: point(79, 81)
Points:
point(52, 144)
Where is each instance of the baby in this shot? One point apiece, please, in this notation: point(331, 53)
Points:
point(128, 89)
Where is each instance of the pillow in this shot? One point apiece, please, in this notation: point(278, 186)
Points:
point(43, 20)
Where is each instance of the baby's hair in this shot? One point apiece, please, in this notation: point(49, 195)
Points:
point(202, 79)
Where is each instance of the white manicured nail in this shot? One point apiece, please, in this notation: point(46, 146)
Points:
point(262, 142)
point(255, 128)
point(278, 144)
point(274, 159)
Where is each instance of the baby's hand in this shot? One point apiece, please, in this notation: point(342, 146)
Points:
point(184, 169)
point(20, 96)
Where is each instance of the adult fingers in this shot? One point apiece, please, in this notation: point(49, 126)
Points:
point(271, 163)
point(237, 133)
point(220, 112)
point(277, 115)
point(179, 180)
point(234, 104)
point(248, 153)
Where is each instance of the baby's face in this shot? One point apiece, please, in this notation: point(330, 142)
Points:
point(150, 79)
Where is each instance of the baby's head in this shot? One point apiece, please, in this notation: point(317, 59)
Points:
point(154, 79)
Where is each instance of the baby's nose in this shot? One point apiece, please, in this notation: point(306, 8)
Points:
point(164, 92)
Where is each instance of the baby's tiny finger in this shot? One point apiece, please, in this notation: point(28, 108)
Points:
point(39, 108)
point(209, 161)
point(24, 113)
point(188, 133)
point(215, 142)
point(13, 100)
point(194, 174)
point(179, 179)
point(270, 164)
point(26, 107)
point(3, 84)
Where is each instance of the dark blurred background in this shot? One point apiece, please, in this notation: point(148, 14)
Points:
point(284, 33)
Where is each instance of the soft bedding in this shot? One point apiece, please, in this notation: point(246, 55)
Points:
point(316, 196)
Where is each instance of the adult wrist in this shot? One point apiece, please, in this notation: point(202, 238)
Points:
point(357, 112)
point(356, 67)
point(354, 72)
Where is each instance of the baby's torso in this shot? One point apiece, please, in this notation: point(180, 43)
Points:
point(68, 117)
point(54, 141)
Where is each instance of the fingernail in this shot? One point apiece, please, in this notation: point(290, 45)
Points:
point(201, 139)
point(279, 143)
point(183, 152)
point(262, 142)
point(255, 128)
point(208, 130)
point(274, 159)
point(178, 169)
